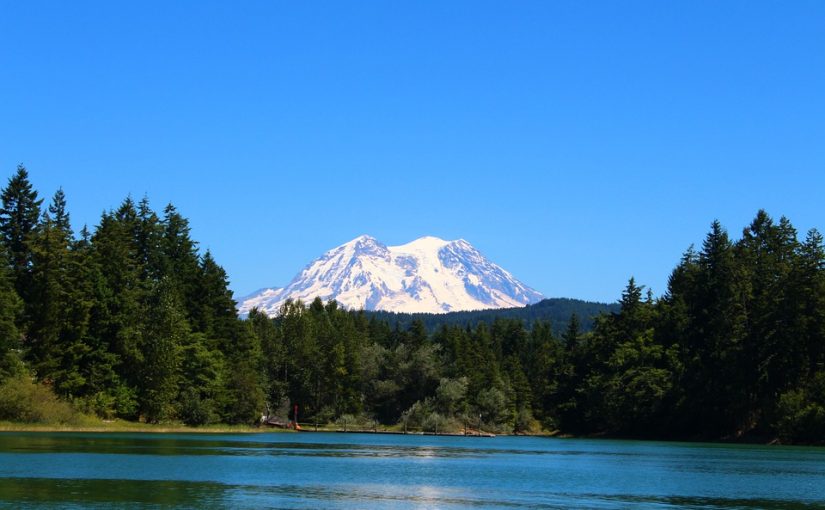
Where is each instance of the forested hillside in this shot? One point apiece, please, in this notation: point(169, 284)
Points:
point(556, 311)
point(131, 320)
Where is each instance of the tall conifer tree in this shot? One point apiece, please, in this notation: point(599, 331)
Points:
point(19, 215)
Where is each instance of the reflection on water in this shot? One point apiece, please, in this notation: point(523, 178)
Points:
point(62, 470)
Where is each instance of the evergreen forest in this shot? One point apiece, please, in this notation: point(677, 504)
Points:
point(557, 311)
point(130, 320)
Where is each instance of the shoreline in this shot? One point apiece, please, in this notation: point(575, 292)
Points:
point(130, 427)
point(120, 426)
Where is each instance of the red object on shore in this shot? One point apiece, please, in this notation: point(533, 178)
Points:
point(295, 418)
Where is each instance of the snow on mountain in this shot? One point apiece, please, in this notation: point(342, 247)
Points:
point(426, 275)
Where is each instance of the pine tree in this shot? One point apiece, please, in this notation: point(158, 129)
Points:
point(213, 308)
point(274, 355)
point(811, 296)
point(245, 391)
point(768, 252)
point(180, 256)
point(521, 393)
point(59, 311)
point(573, 332)
point(715, 396)
point(123, 295)
point(87, 349)
point(166, 331)
point(10, 308)
point(417, 334)
point(50, 245)
point(19, 215)
point(148, 243)
point(202, 381)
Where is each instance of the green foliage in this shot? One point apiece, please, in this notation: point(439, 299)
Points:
point(802, 412)
point(201, 381)
point(526, 423)
point(131, 321)
point(166, 331)
point(451, 396)
point(125, 399)
point(195, 410)
point(53, 351)
point(19, 215)
point(491, 404)
point(10, 308)
point(556, 311)
point(246, 402)
point(245, 391)
point(22, 400)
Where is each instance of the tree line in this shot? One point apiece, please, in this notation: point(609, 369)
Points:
point(556, 311)
point(132, 321)
point(128, 320)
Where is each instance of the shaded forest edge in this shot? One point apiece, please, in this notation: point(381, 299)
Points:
point(132, 322)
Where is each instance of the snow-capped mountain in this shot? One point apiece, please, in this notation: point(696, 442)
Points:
point(427, 275)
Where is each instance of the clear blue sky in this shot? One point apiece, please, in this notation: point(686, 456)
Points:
point(574, 143)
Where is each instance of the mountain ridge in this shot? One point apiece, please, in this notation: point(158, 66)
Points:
point(556, 311)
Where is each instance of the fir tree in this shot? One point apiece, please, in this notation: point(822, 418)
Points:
point(166, 331)
point(10, 308)
point(50, 245)
point(214, 312)
point(122, 298)
point(19, 215)
point(571, 336)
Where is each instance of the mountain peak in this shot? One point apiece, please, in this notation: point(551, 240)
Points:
point(424, 243)
point(428, 274)
point(364, 238)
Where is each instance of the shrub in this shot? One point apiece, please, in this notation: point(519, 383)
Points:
point(802, 412)
point(433, 422)
point(525, 423)
point(22, 400)
point(100, 404)
point(125, 402)
point(492, 405)
point(195, 411)
point(347, 422)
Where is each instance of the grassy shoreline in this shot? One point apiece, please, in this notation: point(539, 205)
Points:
point(166, 428)
point(129, 426)
point(93, 425)
point(123, 426)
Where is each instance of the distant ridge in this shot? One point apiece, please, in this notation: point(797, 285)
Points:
point(555, 310)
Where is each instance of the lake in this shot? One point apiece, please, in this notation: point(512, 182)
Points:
point(322, 470)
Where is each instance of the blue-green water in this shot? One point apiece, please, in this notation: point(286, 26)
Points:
point(314, 470)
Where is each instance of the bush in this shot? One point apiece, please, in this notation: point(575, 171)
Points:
point(802, 412)
point(450, 396)
point(423, 416)
point(100, 404)
point(347, 422)
point(11, 366)
point(195, 411)
point(325, 415)
point(525, 423)
point(492, 405)
point(441, 424)
point(125, 402)
point(22, 400)
point(413, 418)
point(356, 422)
